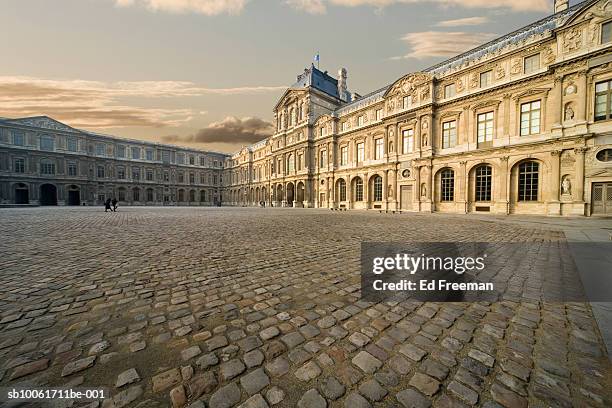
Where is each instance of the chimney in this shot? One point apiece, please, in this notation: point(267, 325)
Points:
point(342, 93)
point(561, 5)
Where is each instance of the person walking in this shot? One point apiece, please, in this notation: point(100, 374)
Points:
point(114, 204)
point(107, 205)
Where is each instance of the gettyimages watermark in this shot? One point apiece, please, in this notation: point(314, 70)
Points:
point(471, 271)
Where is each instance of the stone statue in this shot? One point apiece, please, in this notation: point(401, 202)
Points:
point(423, 190)
point(566, 186)
point(569, 113)
point(424, 140)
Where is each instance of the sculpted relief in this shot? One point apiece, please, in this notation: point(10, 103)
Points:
point(572, 40)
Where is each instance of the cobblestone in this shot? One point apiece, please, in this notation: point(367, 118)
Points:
point(191, 306)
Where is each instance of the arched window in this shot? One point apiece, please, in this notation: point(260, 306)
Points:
point(203, 195)
point(483, 183)
point(528, 181)
point(290, 163)
point(192, 195)
point(342, 190)
point(447, 185)
point(358, 189)
point(181, 195)
point(149, 194)
point(378, 188)
point(136, 194)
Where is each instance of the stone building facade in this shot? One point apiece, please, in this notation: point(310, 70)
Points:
point(519, 125)
point(46, 162)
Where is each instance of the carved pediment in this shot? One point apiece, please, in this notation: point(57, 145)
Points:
point(45, 122)
point(601, 10)
point(483, 104)
point(601, 173)
point(531, 92)
point(290, 96)
point(408, 83)
point(323, 119)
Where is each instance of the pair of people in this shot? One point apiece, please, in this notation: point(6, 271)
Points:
point(108, 203)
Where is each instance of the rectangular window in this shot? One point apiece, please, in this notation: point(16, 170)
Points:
point(345, 126)
point(47, 168)
point(407, 141)
point(135, 173)
point(530, 118)
point(360, 152)
point(72, 169)
point(323, 131)
point(202, 161)
point(449, 91)
point(19, 166)
point(166, 176)
point(18, 138)
point(603, 99)
point(202, 178)
point(100, 171)
point(149, 175)
point(528, 181)
point(360, 120)
point(121, 195)
point(359, 190)
point(72, 144)
point(322, 158)
point(191, 160)
point(136, 153)
point(532, 63)
point(166, 157)
point(121, 151)
point(47, 143)
point(406, 102)
point(449, 134)
point(191, 178)
point(379, 114)
point(379, 151)
point(486, 78)
point(606, 32)
point(485, 127)
point(120, 173)
point(447, 179)
point(100, 149)
point(300, 160)
point(181, 177)
point(344, 155)
point(149, 154)
point(180, 158)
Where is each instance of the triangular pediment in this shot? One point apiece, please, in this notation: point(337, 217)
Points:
point(44, 122)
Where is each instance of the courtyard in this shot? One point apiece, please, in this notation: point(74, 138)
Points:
point(224, 306)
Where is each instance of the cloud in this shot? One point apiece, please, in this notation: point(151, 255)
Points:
point(206, 7)
point(230, 130)
point(468, 21)
point(442, 44)
point(95, 104)
point(308, 6)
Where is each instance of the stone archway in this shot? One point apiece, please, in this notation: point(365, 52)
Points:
point(290, 194)
point(48, 194)
point(74, 195)
point(300, 194)
point(22, 194)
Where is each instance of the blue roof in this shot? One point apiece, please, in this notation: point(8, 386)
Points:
point(319, 80)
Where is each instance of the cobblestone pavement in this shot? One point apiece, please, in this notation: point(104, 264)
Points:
point(226, 307)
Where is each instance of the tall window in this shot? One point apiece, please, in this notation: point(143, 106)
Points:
point(603, 97)
point(322, 158)
point(120, 173)
point(19, 165)
point(72, 169)
point(18, 138)
point(149, 153)
point(342, 190)
point(149, 175)
point(165, 156)
point(135, 173)
point(360, 120)
point(378, 188)
point(447, 187)
point(379, 150)
point(181, 177)
point(606, 32)
point(191, 178)
point(486, 78)
point(379, 113)
point(358, 189)
point(121, 195)
point(530, 118)
point(136, 153)
point(290, 164)
point(100, 149)
point(100, 171)
point(121, 151)
point(450, 91)
point(406, 102)
point(345, 126)
point(531, 64)
point(407, 141)
point(47, 167)
point(300, 161)
point(485, 127)
point(136, 194)
point(72, 144)
point(47, 143)
point(483, 183)
point(344, 155)
point(149, 194)
point(449, 134)
point(202, 161)
point(191, 160)
point(528, 181)
point(360, 152)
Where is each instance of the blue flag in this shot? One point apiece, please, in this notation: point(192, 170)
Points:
point(317, 57)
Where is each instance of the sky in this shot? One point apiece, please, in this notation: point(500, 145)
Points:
point(207, 73)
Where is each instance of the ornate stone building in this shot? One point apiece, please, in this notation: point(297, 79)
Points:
point(519, 125)
point(45, 162)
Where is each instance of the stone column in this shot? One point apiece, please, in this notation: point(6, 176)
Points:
point(579, 171)
point(582, 93)
point(556, 103)
point(554, 174)
point(504, 183)
point(462, 184)
point(417, 187)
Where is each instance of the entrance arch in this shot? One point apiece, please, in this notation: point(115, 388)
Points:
point(48, 194)
point(279, 193)
point(290, 194)
point(22, 194)
point(300, 193)
point(74, 195)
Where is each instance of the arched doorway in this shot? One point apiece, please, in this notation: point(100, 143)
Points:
point(74, 195)
point(279, 193)
point(48, 194)
point(290, 194)
point(22, 194)
point(300, 194)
